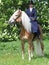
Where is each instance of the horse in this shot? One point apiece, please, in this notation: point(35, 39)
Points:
point(22, 18)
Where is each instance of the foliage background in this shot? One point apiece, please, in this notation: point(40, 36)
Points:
point(8, 7)
point(10, 52)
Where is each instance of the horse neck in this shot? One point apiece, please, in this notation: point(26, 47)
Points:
point(26, 21)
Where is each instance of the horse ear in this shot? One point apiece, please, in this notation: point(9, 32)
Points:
point(19, 10)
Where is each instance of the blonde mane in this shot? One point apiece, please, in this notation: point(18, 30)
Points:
point(26, 21)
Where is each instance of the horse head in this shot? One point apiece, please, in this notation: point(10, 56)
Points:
point(15, 17)
point(21, 17)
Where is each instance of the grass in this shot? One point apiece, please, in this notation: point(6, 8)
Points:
point(10, 54)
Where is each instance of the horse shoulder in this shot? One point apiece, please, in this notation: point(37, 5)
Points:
point(22, 32)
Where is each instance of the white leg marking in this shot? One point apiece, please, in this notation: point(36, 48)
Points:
point(29, 55)
point(22, 56)
point(32, 54)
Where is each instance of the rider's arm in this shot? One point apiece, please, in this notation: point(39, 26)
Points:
point(34, 15)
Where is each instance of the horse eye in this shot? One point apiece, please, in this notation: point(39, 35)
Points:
point(16, 15)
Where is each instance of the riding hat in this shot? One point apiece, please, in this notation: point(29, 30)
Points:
point(30, 2)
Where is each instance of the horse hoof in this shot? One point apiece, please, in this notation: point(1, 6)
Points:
point(29, 59)
point(31, 55)
point(22, 58)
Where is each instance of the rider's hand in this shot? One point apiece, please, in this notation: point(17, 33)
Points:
point(32, 18)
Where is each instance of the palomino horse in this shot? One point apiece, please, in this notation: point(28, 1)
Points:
point(25, 34)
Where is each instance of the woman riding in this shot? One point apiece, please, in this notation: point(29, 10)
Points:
point(32, 13)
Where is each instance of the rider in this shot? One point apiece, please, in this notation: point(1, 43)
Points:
point(32, 13)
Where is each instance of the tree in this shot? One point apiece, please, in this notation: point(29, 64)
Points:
point(8, 7)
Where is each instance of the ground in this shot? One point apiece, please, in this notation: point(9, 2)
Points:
point(10, 54)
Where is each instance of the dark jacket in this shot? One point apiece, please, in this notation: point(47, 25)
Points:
point(34, 24)
point(32, 14)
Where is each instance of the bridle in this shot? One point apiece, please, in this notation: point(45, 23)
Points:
point(19, 14)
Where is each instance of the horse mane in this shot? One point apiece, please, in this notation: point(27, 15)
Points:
point(26, 22)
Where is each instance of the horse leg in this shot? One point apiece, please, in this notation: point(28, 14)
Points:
point(41, 39)
point(29, 50)
point(32, 49)
point(42, 46)
point(22, 44)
